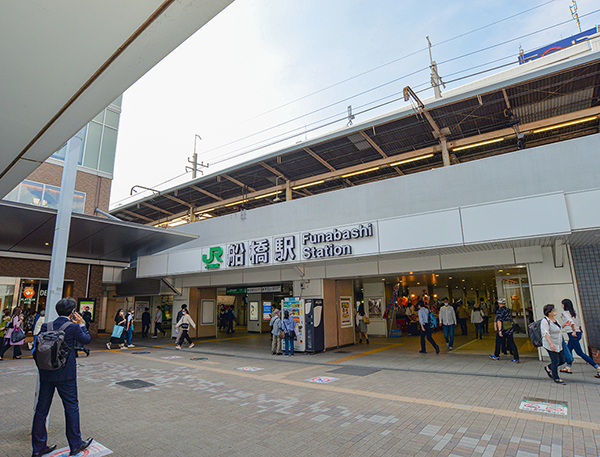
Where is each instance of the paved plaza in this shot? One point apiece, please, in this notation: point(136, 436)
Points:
point(231, 397)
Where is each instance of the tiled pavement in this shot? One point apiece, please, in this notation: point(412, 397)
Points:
point(456, 404)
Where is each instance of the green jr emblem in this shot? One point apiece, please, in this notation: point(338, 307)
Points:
point(214, 255)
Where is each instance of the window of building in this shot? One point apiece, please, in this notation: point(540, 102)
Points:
point(35, 193)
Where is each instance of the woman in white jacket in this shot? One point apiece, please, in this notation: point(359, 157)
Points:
point(184, 323)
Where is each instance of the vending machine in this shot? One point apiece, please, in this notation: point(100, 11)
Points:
point(313, 319)
point(295, 306)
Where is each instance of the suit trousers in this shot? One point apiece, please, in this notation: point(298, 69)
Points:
point(68, 394)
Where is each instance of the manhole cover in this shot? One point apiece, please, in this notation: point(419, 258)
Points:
point(135, 384)
point(199, 358)
point(354, 371)
point(141, 352)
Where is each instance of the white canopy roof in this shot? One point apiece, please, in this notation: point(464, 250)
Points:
point(65, 61)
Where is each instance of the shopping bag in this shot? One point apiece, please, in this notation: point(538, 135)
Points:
point(567, 353)
point(117, 331)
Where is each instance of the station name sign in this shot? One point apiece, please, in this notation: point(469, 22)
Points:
point(312, 242)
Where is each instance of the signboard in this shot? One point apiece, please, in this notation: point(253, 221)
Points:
point(556, 46)
point(236, 291)
point(87, 305)
point(208, 312)
point(543, 406)
point(267, 308)
point(346, 312)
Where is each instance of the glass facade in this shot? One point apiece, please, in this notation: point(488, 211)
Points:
point(35, 193)
point(99, 140)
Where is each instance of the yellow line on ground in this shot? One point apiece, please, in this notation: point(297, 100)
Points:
point(362, 354)
point(390, 397)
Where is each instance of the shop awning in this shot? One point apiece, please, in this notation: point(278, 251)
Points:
point(31, 232)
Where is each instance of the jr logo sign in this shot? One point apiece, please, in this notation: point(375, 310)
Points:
point(214, 258)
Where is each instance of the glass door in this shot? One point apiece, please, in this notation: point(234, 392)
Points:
point(518, 297)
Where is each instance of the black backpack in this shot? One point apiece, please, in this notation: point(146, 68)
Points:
point(535, 333)
point(51, 351)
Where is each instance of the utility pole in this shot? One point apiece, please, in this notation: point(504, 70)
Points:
point(436, 79)
point(194, 160)
point(63, 226)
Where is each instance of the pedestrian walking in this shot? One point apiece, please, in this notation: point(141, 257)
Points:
point(425, 328)
point(184, 323)
point(503, 325)
point(145, 322)
point(361, 323)
point(477, 320)
point(462, 314)
point(485, 312)
point(275, 324)
point(14, 325)
point(552, 341)
point(118, 335)
point(158, 318)
point(448, 321)
point(65, 381)
point(573, 325)
point(129, 329)
point(230, 319)
point(289, 328)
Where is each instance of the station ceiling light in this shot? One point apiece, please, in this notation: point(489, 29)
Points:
point(414, 159)
point(566, 124)
point(302, 186)
point(360, 172)
point(268, 195)
point(236, 203)
point(474, 145)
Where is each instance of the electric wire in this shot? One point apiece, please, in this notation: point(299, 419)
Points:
point(366, 72)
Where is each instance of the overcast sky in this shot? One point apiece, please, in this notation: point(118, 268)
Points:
point(298, 64)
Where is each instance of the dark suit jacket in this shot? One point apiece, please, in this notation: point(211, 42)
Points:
point(73, 333)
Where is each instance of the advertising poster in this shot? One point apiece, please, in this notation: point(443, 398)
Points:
point(267, 308)
point(345, 312)
point(139, 309)
point(87, 306)
point(253, 310)
point(375, 307)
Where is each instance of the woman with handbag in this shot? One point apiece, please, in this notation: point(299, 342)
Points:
point(288, 325)
point(184, 323)
point(361, 323)
point(552, 340)
point(14, 335)
point(118, 334)
point(575, 335)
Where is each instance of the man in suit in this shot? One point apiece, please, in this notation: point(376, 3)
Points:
point(65, 381)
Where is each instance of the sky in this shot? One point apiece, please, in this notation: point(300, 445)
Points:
point(263, 75)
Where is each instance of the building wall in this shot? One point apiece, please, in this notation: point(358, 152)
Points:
point(96, 188)
point(76, 272)
point(586, 263)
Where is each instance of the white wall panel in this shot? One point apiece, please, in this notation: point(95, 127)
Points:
point(314, 271)
point(196, 281)
point(530, 254)
point(405, 265)
point(152, 265)
point(521, 218)
point(478, 259)
point(545, 273)
point(420, 231)
point(185, 261)
point(227, 279)
point(309, 289)
point(261, 276)
point(584, 209)
point(352, 269)
point(291, 274)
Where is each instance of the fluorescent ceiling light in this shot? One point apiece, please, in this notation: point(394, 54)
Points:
point(236, 203)
point(474, 145)
point(360, 172)
point(205, 210)
point(566, 124)
point(268, 195)
point(309, 184)
point(414, 159)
